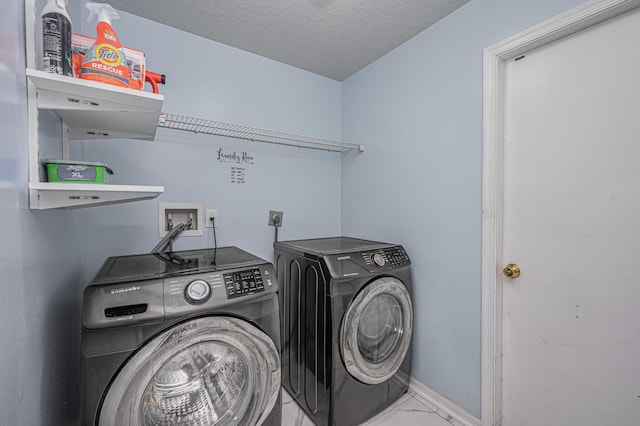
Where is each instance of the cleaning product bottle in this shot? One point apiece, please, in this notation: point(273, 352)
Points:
point(105, 60)
point(56, 38)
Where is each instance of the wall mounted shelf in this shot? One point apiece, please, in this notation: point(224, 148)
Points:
point(52, 195)
point(94, 110)
point(217, 128)
point(88, 110)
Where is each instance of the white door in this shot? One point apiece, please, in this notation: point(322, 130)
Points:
point(571, 222)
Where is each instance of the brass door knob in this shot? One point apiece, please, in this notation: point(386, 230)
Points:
point(511, 271)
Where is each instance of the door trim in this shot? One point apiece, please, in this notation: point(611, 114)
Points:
point(494, 60)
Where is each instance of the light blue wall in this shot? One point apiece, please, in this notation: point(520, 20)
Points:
point(419, 110)
point(40, 275)
point(213, 81)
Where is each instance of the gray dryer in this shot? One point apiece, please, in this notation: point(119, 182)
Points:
point(347, 319)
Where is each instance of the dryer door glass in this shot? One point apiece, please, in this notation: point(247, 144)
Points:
point(376, 331)
point(380, 329)
point(208, 371)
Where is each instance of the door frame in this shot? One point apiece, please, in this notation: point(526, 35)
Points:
point(494, 62)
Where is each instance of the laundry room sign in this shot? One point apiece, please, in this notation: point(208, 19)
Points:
point(240, 159)
point(235, 157)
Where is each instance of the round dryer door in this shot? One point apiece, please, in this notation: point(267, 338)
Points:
point(207, 371)
point(376, 331)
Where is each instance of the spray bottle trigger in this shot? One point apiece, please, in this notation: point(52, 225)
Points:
point(104, 11)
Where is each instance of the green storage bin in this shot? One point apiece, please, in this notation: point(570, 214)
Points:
point(77, 171)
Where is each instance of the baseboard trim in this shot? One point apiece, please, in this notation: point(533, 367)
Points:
point(445, 408)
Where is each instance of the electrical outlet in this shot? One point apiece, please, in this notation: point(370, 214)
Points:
point(211, 213)
point(275, 218)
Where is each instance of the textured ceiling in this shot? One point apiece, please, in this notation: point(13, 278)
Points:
point(333, 38)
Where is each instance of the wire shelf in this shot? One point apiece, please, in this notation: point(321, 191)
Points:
point(209, 127)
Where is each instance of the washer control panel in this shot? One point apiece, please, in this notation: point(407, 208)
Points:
point(213, 290)
point(241, 283)
point(197, 291)
point(393, 256)
point(378, 259)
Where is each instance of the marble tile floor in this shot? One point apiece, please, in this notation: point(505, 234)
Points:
point(409, 410)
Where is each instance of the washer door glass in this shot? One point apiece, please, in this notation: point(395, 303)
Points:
point(207, 371)
point(376, 331)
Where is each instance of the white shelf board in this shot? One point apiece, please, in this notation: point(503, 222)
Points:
point(53, 195)
point(94, 110)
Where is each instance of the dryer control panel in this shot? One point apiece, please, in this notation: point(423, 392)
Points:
point(393, 256)
point(378, 260)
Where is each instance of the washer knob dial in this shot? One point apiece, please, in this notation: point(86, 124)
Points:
point(197, 291)
point(377, 259)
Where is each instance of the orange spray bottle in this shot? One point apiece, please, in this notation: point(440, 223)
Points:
point(105, 60)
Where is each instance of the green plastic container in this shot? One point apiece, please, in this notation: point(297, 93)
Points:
point(77, 171)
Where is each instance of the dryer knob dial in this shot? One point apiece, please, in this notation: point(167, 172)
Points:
point(197, 291)
point(377, 259)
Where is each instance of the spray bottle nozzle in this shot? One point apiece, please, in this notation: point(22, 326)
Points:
point(104, 11)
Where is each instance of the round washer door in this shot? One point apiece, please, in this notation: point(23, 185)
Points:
point(376, 330)
point(207, 371)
